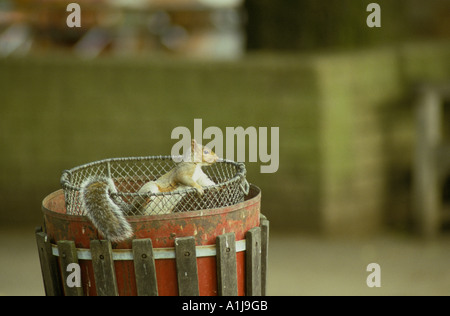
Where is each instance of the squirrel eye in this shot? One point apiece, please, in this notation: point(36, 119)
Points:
point(206, 152)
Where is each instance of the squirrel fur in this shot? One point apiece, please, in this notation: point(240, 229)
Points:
point(108, 213)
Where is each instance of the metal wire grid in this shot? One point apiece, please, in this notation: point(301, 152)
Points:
point(130, 174)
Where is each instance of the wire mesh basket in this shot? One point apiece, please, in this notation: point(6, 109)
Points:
point(130, 174)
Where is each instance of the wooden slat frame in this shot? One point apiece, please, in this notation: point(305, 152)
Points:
point(253, 262)
point(49, 265)
point(68, 255)
point(144, 267)
point(264, 224)
point(186, 263)
point(226, 265)
point(257, 245)
point(104, 272)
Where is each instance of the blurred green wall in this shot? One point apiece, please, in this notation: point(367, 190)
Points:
point(59, 113)
point(299, 25)
point(342, 119)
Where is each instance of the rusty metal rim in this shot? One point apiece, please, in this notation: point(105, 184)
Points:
point(140, 218)
point(158, 253)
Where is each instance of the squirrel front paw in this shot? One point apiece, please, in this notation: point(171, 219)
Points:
point(200, 191)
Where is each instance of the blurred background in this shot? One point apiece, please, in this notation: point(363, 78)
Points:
point(345, 97)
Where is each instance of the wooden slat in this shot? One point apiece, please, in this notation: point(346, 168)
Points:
point(68, 255)
point(253, 262)
point(186, 262)
point(49, 265)
point(226, 265)
point(264, 224)
point(104, 273)
point(144, 267)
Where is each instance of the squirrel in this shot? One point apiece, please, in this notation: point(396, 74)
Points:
point(186, 174)
point(107, 211)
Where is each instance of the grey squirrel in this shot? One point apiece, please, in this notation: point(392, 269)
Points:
point(107, 211)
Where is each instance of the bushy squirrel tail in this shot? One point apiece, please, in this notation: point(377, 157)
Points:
point(106, 215)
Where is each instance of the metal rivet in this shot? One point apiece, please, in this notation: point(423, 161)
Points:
point(187, 254)
point(228, 250)
point(144, 256)
point(102, 257)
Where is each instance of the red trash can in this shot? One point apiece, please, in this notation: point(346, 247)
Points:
point(209, 245)
point(163, 230)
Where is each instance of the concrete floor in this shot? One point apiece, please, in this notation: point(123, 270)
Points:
point(305, 265)
point(298, 265)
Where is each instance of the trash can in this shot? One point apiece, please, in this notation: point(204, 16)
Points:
point(213, 251)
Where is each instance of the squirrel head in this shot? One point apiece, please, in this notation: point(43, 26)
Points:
point(202, 154)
